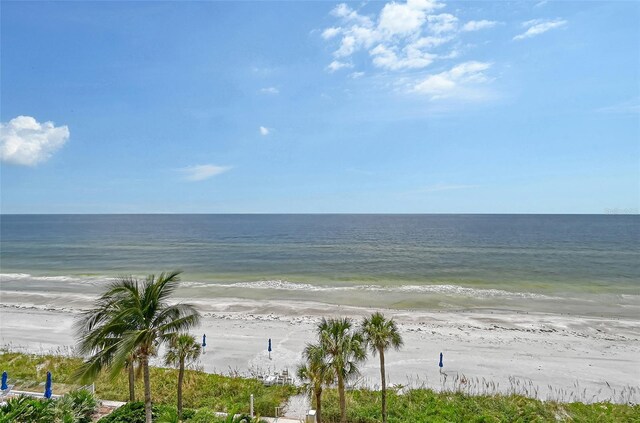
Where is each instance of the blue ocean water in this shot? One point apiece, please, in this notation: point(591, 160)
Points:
point(520, 253)
point(587, 265)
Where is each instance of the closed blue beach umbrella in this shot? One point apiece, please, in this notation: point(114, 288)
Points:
point(4, 386)
point(440, 364)
point(269, 348)
point(47, 386)
point(204, 341)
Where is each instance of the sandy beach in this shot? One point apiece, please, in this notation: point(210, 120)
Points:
point(563, 357)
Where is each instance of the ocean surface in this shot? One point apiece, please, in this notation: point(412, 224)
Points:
point(579, 263)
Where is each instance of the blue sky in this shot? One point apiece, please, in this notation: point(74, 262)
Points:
point(249, 107)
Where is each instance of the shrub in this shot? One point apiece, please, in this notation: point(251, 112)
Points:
point(132, 412)
point(204, 415)
point(221, 393)
point(75, 407)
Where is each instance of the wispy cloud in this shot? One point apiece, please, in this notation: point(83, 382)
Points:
point(539, 26)
point(626, 107)
point(329, 33)
point(264, 131)
point(202, 172)
point(406, 36)
point(337, 65)
point(401, 36)
point(458, 81)
point(478, 25)
point(269, 90)
point(26, 142)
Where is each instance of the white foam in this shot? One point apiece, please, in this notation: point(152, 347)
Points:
point(436, 289)
point(71, 279)
point(283, 285)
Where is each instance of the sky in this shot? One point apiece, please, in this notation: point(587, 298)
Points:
point(320, 107)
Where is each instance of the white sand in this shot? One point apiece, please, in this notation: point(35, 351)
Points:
point(575, 356)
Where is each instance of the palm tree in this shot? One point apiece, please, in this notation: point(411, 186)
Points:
point(182, 349)
point(380, 334)
point(132, 318)
point(101, 339)
point(343, 348)
point(317, 372)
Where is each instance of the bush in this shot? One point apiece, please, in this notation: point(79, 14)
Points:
point(75, 407)
point(83, 404)
point(425, 405)
point(221, 393)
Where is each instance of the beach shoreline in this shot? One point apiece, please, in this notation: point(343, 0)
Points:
point(558, 356)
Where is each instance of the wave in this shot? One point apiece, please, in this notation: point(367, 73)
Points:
point(283, 285)
point(425, 289)
point(71, 279)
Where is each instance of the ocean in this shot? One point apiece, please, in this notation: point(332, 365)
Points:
point(586, 264)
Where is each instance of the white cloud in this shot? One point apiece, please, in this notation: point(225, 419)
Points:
point(202, 172)
point(349, 15)
point(403, 35)
point(356, 75)
point(269, 90)
point(478, 25)
point(330, 33)
point(347, 47)
point(539, 26)
point(409, 36)
point(444, 22)
point(264, 131)
point(412, 58)
point(24, 141)
point(337, 65)
point(404, 19)
point(456, 82)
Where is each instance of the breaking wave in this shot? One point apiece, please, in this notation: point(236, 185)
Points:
point(424, 289)
point(283, 285)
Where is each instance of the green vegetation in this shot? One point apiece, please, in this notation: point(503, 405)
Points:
point(380, 334)
point(182, 349)
point(315, 373)
point(207, 392)
point(74, 407)
point(344, 348)
point(216, 392)
point(424, 405)
point(133, 412)
point(128, 324)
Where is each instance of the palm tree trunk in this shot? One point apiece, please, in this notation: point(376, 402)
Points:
point(147, 388)
point(132, 381)
point(384, 387)
point(343, 403)
point(180, 379)
point(319, 405)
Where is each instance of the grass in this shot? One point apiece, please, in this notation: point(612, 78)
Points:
point(217, 392)
point(425, 405)
point(476, 402)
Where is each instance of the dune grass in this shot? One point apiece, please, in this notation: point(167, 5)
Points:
point(425, 405)
point(217, 392)
point(222, 393)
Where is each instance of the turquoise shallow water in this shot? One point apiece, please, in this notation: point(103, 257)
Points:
point(407, 261)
